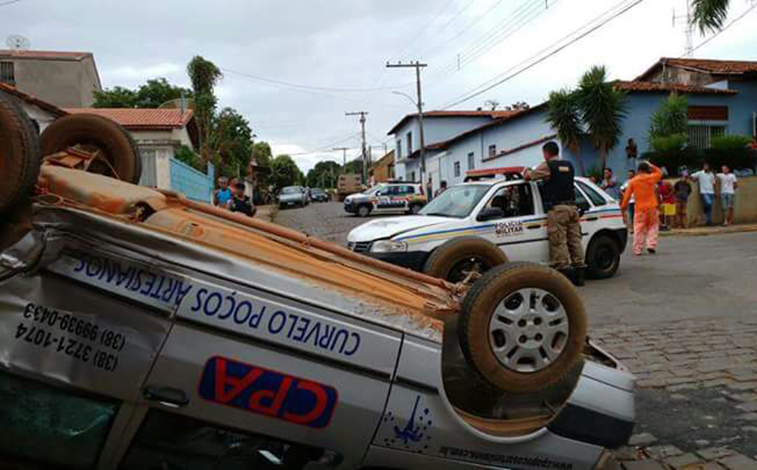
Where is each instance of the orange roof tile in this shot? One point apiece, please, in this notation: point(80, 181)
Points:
point(31, 99)
point(637, 86)
point(141, 118)
point(717, 67)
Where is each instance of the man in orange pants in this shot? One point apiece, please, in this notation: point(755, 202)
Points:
point(646, 223)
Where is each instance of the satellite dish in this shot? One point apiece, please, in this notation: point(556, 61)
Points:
point(17, 43)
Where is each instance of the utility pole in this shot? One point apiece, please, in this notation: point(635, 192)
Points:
point(417, 66)
point(362, 115)
point(344, 155)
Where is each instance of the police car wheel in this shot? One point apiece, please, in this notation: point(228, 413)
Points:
point(415, 208)
point(454, 259)
point(364, 210)
point(93, 132)
point(602, 257)
point(19, 154)
point(523, 327)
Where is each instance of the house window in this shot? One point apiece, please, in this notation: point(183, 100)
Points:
point(399, 149)
point(701, 135)
point(409, 143)
point(471, 161)
point(457, 169)
point(492, 150)
point(7, 73)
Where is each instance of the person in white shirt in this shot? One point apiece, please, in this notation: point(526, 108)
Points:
point(728, 186)
point(706, 179)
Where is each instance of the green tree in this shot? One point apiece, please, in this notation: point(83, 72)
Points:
point(149, 95)
point(231, 142)
point(602, 110)
point(116, 97)
point(710, 15)
point(324, 174)
point(204, 76)
point(670, 118)
point(564, 115)
point(158, 91)
point(284, 172)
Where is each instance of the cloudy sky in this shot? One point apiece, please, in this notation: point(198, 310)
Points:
point(293, 68)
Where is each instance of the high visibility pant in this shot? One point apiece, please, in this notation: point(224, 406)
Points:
point(564, 230)
point(646, 227)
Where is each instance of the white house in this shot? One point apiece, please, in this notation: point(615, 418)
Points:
point(41, 112)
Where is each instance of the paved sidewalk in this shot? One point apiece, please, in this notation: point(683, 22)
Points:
point(266, 213)
point(714, 230)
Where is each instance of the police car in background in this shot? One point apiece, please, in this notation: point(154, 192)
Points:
point(494, 217)
point(393, 196)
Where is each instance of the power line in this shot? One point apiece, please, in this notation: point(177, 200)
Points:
point(749, 10)
point(498, 80)
point(324, 148)
point(312, 87)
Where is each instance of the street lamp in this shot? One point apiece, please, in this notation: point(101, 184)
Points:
point(422, 149)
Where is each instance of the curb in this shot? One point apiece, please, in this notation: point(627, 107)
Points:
point(708, 231)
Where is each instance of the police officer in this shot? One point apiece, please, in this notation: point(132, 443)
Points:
point(563, 219)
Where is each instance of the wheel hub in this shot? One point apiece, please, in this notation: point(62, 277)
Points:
point(528, 330)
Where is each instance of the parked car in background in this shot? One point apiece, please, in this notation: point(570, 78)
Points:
point(293, 196)
point(319, 195)
point(387, 197)
point(480, 224)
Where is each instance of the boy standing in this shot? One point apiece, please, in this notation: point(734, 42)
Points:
point(682, 190)
point(241, 202)
point(728, 186)
point(646, 220)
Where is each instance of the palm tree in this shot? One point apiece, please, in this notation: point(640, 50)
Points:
point(710, 15)
point(602, 110)
point(204, 76)
point(564, 116)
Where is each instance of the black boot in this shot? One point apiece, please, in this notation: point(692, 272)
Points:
point(569, 273)
point(579, 276)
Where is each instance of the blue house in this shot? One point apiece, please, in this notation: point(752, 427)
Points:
point(722, 97)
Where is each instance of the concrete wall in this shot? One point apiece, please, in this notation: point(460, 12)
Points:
point(745, 207)
point(64, 83)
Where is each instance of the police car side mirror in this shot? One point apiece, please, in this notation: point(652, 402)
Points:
point(583, 207)
point(490, 213)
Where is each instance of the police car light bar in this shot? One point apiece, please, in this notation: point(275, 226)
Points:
point(509, 172)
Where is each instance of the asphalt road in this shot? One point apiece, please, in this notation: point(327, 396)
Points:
point(684, 320)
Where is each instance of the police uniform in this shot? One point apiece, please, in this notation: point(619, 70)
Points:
point(563, 218)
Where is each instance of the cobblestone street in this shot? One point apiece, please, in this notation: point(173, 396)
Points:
point(684, 321)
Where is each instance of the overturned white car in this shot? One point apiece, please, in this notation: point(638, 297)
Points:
point(142, 330)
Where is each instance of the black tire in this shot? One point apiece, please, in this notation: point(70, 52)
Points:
point(364, 210)
point(479, 306)
point(602, 257)
point(415, 208)
point(95, 132)
point(448, 260)
point(20, 157)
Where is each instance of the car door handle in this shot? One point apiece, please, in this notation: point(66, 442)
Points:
point(167, 396)
point(533, 227)
point(592, 219)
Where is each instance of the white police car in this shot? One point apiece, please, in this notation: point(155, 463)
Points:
point(392, 196)
point(494, 218)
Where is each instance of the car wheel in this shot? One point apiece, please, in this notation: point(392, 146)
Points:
point(457, 258)
point(523, 327)
point(364, 210)
point(602, 257)
point(95, 133)
point(20, 156)
point(415, 208)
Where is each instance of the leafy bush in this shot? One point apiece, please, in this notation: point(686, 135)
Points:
point(731, 142)
point(676, 160)
point(670, 118)
point(186, 155)
point(670, 143)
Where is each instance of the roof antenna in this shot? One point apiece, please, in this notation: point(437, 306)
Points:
point(17, 43)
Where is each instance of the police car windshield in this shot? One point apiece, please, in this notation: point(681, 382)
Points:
point(457, 202)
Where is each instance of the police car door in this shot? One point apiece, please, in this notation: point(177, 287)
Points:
point(519, 233)
point(382, 201)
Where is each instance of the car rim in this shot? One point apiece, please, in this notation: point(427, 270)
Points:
point(528, 330)
point(605, 258)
